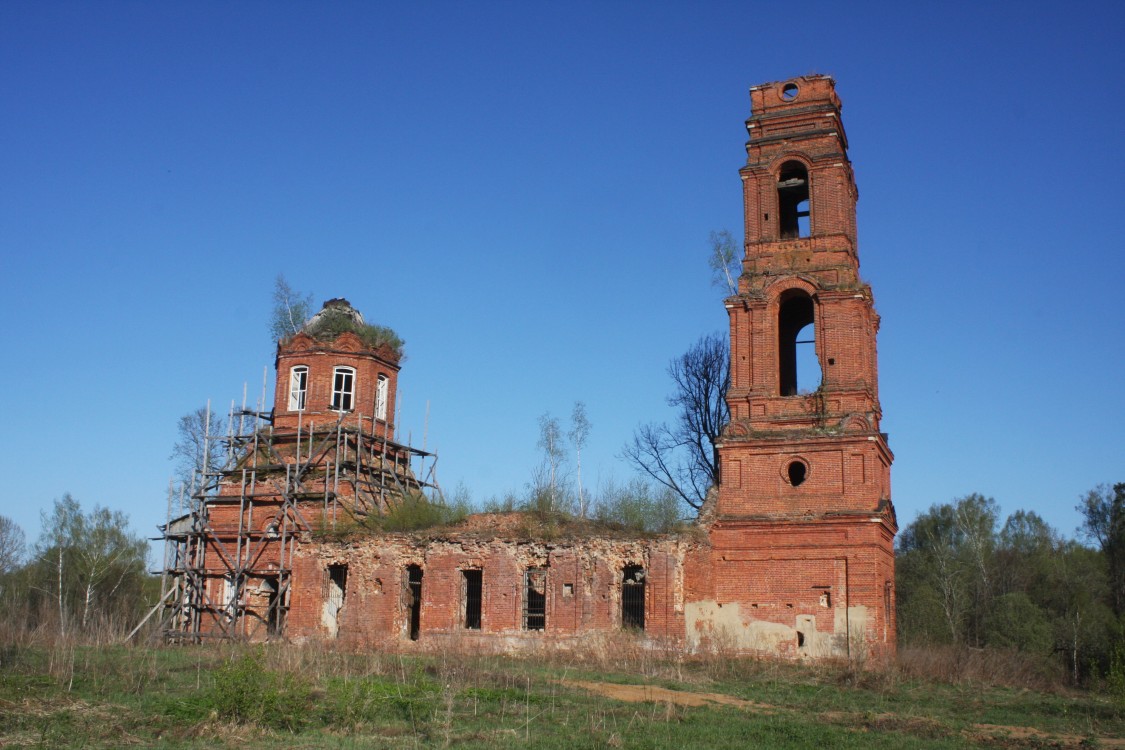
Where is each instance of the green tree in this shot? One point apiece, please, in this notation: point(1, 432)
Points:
point(548, 489)
point(89, 568)
point(291, 309)
point(1076, 594)
point(579, 433)
point(1103, 511)
point(945, 564)
point(725, 262)
point(1014, 621)
point(11, 546)
point(1024, 551)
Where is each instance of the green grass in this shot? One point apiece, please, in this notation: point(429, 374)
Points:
point(293, 697)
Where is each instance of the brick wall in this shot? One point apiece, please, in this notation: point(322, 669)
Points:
point(802, 530)
point(796, 553)
point(321, 358)
point(583, 586)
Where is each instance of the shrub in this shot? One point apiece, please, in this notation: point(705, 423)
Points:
point(638, 506)
point(416, 511)
point(376, 700)
point(244, 691)
point(1115, 677)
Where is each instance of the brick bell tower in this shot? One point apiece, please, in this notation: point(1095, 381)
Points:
point(803, 527)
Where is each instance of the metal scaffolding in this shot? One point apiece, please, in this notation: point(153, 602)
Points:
point(228, 559)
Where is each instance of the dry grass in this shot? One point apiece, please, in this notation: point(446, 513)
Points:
point(960, 665)
point(624, 652)
point(449, 693)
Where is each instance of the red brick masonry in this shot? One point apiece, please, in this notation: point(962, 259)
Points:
point(793, 553)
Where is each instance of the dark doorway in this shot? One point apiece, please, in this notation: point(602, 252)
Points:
point(472, 598)
point(633, 597)
point(274, 614)
point(414, 599)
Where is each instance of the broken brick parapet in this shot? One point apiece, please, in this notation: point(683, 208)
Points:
point(581, 586)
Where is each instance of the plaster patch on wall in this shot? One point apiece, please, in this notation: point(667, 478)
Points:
point(711, 624)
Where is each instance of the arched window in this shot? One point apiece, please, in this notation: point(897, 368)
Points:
point(298, 387)
point(343, 389)
point(798, 366)
point(381, 398)
point(793, 200)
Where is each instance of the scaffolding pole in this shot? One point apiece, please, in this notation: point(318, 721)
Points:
point(292, 476)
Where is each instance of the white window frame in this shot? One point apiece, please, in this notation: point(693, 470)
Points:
point(382, 388)
point(298, 387)
point(343, 389)
point(230, 597)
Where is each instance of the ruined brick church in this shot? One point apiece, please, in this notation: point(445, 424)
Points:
point(792, 555)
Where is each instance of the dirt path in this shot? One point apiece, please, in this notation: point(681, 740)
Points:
point(992, 733)
point(651, 693)
point(1024, 736)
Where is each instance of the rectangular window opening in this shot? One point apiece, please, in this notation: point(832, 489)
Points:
point(334, 598)
point(414, 600)
point(381, 398)
point(298, 388)
point(343, 389)
point(535, 599)
point(230, 597)
point(275, 611)
point(472, 583)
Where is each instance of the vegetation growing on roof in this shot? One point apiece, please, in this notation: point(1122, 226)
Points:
point(333, 321)
point(292, 314)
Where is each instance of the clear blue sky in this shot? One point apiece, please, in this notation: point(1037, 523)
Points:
point(524, 191)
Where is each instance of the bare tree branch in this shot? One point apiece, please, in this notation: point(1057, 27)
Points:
point(684, 457)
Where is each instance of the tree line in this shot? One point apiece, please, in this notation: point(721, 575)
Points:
point(86, 575)
point(965, 578)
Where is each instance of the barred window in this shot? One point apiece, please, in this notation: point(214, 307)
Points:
point(535, 599)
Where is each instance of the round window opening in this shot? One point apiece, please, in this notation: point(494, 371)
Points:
point(789, 92)
point(798, 472)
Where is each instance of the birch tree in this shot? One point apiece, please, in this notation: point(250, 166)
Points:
point(579, 433)
point(548, 494)
point(725, 262)
point(89, 567)
point(291, 309)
